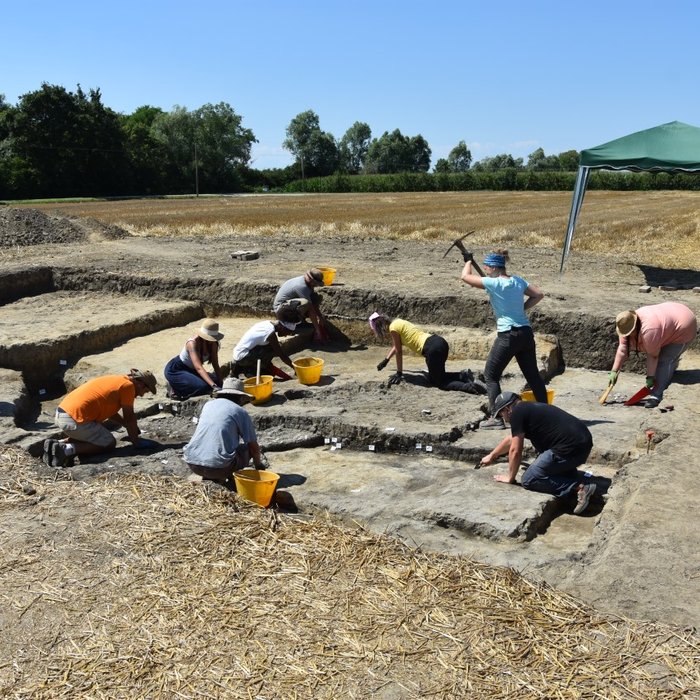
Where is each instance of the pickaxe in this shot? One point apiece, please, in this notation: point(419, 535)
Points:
point(458, 244)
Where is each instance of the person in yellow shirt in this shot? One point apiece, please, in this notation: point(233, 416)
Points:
point(82, 413)
point(434, 348)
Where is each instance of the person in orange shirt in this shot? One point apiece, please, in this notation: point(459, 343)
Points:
point(82, 413)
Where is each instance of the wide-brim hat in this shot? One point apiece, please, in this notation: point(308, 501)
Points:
point(503, 400)
point(146, 377)
point(315, 275)
point(209, 330)
point(234, 387)
point(625, 322)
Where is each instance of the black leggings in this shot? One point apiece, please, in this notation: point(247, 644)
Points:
point(435, 352)
point(518, 343)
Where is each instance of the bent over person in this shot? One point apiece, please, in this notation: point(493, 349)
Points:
point(225, 438)
point(562, 441)
point(663, 332)
point(82, 413)
point(296, 300)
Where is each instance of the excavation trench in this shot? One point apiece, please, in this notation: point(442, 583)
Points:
point(388, 457)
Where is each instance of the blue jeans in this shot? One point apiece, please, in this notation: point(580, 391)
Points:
point(667, 365)
point(551, 473)
point(185, 382)
point(518, 343)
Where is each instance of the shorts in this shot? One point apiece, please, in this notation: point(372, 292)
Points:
point(91, 431)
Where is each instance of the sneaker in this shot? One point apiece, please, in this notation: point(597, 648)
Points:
point(492, 424)
point(48, 451)
point(650, 402)
point(583, 498)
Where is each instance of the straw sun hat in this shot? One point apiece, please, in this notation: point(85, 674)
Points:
point(234, 387)
point(210, 330)
point(625, 322)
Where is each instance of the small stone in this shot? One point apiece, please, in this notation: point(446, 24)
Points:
point(667, 288)
point(696, 290)
point(645, 288)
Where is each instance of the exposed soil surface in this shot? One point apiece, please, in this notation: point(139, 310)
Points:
point(89, 301)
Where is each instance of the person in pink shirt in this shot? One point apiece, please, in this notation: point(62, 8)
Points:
point(662, 331)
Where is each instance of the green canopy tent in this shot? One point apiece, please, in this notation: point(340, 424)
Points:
point(672, 147)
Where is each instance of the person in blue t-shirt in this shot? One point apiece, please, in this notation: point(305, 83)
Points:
point(511, 296)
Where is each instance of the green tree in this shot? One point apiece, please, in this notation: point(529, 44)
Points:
point(442, 166)
point(459, 158)
point(147, 155)
point(569, 160)
point(499, 162)
point(315, 150)
point(395, 153)
point(209, 143)
point(537, 160)
point(71, 142)
point(352, 150)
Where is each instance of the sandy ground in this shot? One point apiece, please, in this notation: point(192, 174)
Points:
point(634, 554)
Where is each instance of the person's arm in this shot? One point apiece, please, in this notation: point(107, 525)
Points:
point(396, 350)
point(652, 364)
point(214, 359)
point(197, 363)
point(470, 278)
point(500, 449)
point(534, 296)
point(128, 421)
point(254, 450)
point(274, 343)
point(621, 355)
point(515, 456)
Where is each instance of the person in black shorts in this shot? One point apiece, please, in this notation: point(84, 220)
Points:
point(562, 441)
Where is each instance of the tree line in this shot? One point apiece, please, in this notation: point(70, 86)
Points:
point(58, 143)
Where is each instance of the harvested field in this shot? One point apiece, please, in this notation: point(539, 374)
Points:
point(147, 587)
point(659, 228)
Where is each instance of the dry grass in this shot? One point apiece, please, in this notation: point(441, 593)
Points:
point(155, 588)
point(660, 228)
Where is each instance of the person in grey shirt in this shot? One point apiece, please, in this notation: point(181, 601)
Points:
point(296, 300)
point(225, 439)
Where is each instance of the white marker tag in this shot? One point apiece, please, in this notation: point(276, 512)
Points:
point(42, 392)
point(63, 362)
point(163, 461)
point(160, 407)
point(428, 448)
point(195, 419)
point(338, 445)
point(389, 430)
point(419, 446)
point(370, 448)
point(334, 440)
point(588, 473)
point(333, 448)
point(326, 441)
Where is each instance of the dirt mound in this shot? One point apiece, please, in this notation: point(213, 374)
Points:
point(27, 227)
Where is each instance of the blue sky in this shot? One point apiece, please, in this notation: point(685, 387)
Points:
point(504, 76)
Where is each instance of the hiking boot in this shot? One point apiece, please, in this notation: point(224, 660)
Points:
point(48, 451)
point(492, 424)
point(583, 498)
point(650, 402)
point(59, 458)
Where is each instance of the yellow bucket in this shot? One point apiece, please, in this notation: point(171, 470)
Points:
point(529, 396)
point(328, 275)
point(256, 485)
point(260, 392)
point(308, 369)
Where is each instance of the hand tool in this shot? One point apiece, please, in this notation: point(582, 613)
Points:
point(457, 243)
point(604, 396)
point(642, 393)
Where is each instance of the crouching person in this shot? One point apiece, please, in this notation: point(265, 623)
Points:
point(82, 413)
point(225, 438)
point(261, 343)
point(562, 441)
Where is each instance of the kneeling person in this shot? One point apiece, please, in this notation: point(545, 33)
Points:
point(225, 437)
point(261, 342)
point(297, 300)
point(82, 413)
point(562, 441)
